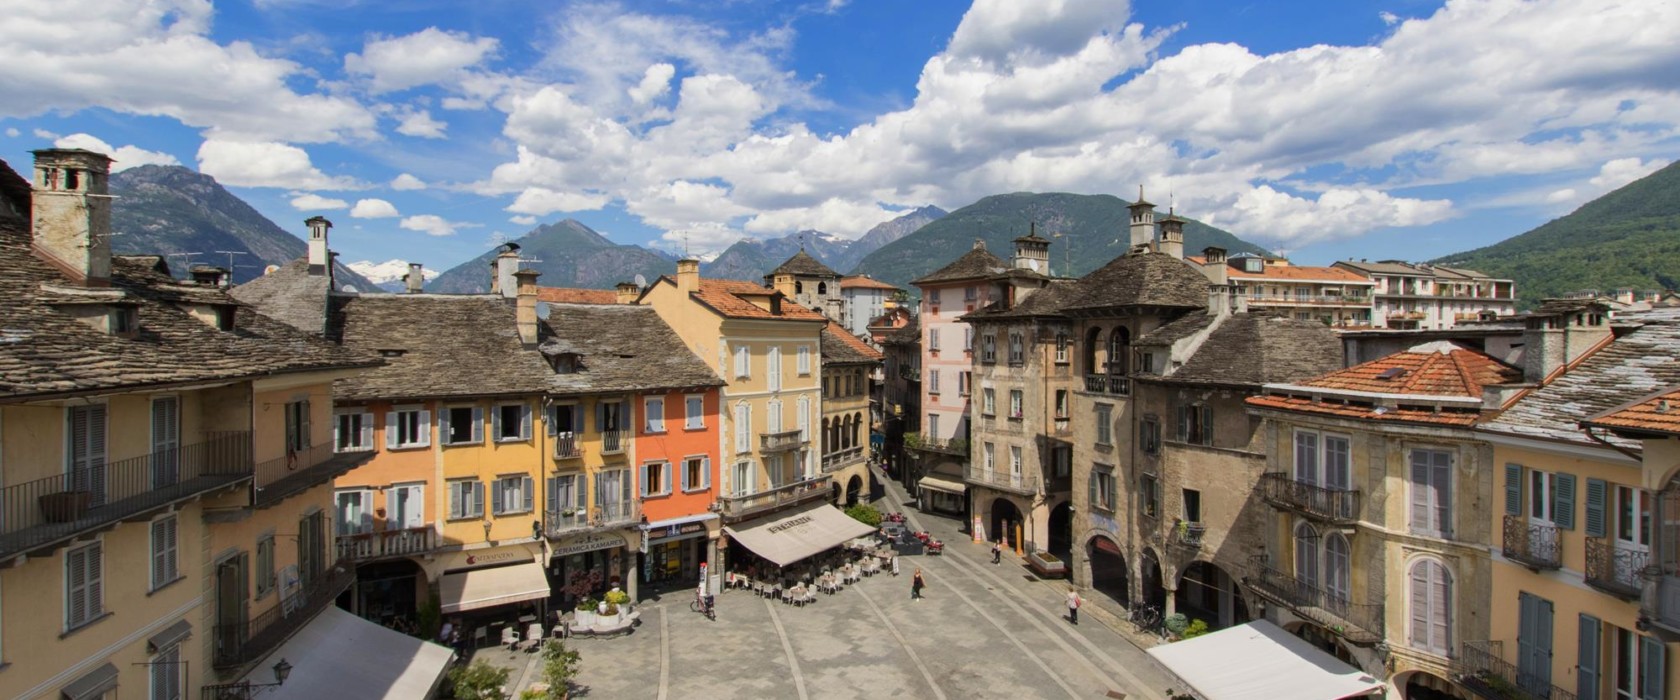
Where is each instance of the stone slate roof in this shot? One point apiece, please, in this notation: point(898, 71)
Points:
point(1639, 363)
point(804, 265)
point(1141, 279)
point(838, 346)
point(436, 346)
point(621, 347)
point(46, 352)
point(1045, 302)
point(1189, 325)
point(977, 263)
point(1254, 349)
point(1656, 414)
point(729, 298)
point(290, 295)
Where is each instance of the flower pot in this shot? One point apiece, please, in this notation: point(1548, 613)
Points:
point(584, 618)
point(65, 506)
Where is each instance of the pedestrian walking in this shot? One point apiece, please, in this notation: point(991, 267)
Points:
point(997, 553)
point(916, 584)
point(1073, 605)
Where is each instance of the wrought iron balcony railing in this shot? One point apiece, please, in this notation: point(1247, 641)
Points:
point(599, 515)
point(1481, 668)
point(1188, 534)
point(951, 446)
point(741, 505)
point(1360, 623)
point(241, 643)
point(614, 441)
point(368, 546)
point(1534, 545)
point(1614, 570)
point(567, 446)
point(1337, 506)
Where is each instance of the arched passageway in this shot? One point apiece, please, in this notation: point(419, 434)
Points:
point(1059, 539)
point(1006, 523)
point(1207, 593)
point(1108, 570)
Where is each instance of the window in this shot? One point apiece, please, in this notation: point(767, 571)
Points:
point(1061, 461)
point(804, 363)
point(1017, 349)
point(773, 416)
point(511, 494)
point(166, 441)
point(1061, 404)
point(84, 583)
point(803, 419)
point(655, 413)
point(1431, 492)
point(743, 428)
point(165, 551)
point(988, 401)
point(743, 362)
point(297, 426)
point(1337, 572)
point(1306, 555)
point(1105, 424)
point(265, 565)
point(971, 293)
point(694, 412)
point(407, 427)
point(355, 512)
point(1149, 494)
point(1192, 506)
point(1633, 518)
point(1322, 459)
point(963, 379)
point(462, 425)
point(1102, 487)
point(988, 348)
point(990, 452)
point(775, 368)
point(353, 432)
point(1637, 665)
point(511, 422)
point(933, 381)
point(933, 425)
point(87, 451)
point(656, 479)
point(968, 338)
point(1061, 348)
point(1431, 607)
point(1015, 404)
point(1195, 424)
point(1015, 460)
point(743, 478)
point(933, 338)
point(613, 493)
point(165, 671)
point(568, 496)
point(933, 296)
point(697, 474)
point(1149, 433)
point(565, 421)
point(405, 507)
point(609, 416)
point(466, 499)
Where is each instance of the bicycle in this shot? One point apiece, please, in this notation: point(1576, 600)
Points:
point(704, 607)
point(1147, 618)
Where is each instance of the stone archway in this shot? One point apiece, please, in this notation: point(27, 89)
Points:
point(1423, 685)
point(854, 490)
point(1324, 639)
point(837, 496)
point(1005, 521)
point(1154, 592)
point(1108, 569)
point(1059, 538)
point(1205, 592)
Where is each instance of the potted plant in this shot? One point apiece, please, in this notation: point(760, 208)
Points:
point(64, 506)
point(1046, 564)
point(616, 600)
point(584, 616)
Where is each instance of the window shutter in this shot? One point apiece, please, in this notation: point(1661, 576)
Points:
point(338, 430)
point(1587, 658)
point(1420, 494)
point(1420, 604)
point(75, 575)
point(94, 591)
point(1513, 489)
point(1207, 424)
point(1563, 501)
point(551, 416)
point(496, 422)
point(1651, 660)
point(365, 427)
point(444, 426)
point(1183, 423)
point(478, 424)
point(1091, 488)
point(477, 488)
point(423, 425)
point(577, 420)
point(647, 487)
point(601, 416)
point(454, 500)
point(1440, 609)
point(705, 472)
point(1596, 492)
point(1306, 457)
point(305, 433)
point(804, 418)
point(524, 421)
point(666, 473)
point(526, 491)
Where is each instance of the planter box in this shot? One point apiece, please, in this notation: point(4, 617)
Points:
point(1046, 568)
point(584, 619)
point(65, 506)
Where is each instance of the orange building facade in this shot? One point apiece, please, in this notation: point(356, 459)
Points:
point(677, 481)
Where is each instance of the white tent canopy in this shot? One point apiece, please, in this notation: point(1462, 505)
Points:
point(339, 655)
point(1260, 661)
point(785, 538)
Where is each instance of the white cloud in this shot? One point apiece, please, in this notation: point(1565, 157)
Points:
point(1388, 18)
point(1270, 215)
point(125, 156)
point(542, 202)
point(420, 123)
point(265, 164)
point(655, 83)
point(405, 182)
point(523, 220)
point(430, 224)
point(1622, 171)
point(44, 134)
point(373, 209)
point(423, 58)
point(12, 132)
point(315, 202)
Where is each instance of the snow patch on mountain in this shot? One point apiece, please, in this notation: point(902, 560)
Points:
point(388, 271)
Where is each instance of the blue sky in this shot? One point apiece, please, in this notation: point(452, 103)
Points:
point(428, 130)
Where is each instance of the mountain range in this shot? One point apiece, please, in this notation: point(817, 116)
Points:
point(391, 275)
point(568, 254)
point(192, 219)
point(1628, 238)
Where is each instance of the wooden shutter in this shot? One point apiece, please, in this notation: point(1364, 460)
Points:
point(477, 424)
point(526, 492)
point(1587, 657)
point(1597, 491)
point(1184, 424)
point(1440, 609)
point(1091, 490)
point(495, 422)
point(666, 474)
point(804, 420)
point(445, 431)
point(1513, 489)
point(551, 420)
point(391, 429)
point(524, 421)
point(1306, 457)
point(364, 427)
point(1563, 501)
point(477, 489)
point(705, 472)
point(1652, 655)
point(1420, 604)
point(1207, 424)
point(306, 435)
point(1421, 501)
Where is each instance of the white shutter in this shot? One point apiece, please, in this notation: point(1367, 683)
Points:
point(743, 428)
point(775, 369)
point(647, 487)
point(804, 418)
point(705, 472)
point(477, 489)
point(773, 421)
point(524, 421)
point(391, 429)
point(1420, 605)
point(478, 424)
point(804, 359)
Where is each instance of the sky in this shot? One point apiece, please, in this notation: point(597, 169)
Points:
point(431, 131)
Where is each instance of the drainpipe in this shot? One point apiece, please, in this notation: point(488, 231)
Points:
point(1595, 438)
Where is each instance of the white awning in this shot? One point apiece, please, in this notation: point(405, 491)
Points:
point(1260, 661)
point(948, 486)
point(483, 588)
point(787, 537)
point(339, 655)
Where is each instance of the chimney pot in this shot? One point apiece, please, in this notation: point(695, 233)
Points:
point(627, 292)
point(688, 275)
point(318, 258)
point(416, 278)
point(525, 305)
point(505, 265)
point(71, 213)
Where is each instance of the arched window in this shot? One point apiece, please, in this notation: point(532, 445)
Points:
point(1119, 346)
point(798, 287)
point(857, 427)
point(1306, 555)
point(822, 287)
point(1431, 606)
point(825, 447)
point(1336, 575)
point(1091, 344)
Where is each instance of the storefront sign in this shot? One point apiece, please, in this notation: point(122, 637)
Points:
point(477, 558)
point(481, 558)
point(676, 531)
point(587, 543)
point(789, 524)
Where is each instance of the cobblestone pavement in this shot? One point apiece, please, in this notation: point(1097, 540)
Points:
point(982, 631)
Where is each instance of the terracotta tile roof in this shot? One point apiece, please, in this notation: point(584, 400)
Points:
point(804, 265)
point(840, 346)
point(977, 263)
point(570, 295)
point(907, 334)
point(1433, 369)
point(1365, 412)
point(1300, 273)
point(1658, 413)
point(730, 298)
point(864, 282)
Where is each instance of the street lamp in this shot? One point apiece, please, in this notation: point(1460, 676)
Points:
point(246, 689)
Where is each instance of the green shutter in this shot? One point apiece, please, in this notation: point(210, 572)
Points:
point(1596, 493)
point(1563, 501)
point(1513, 489)
point(1652, 678)
point(1587, 659)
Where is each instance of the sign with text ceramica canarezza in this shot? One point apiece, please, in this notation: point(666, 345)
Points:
point(588, 543)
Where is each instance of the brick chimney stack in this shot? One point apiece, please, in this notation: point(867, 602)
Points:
point(525, 305)
point(627, 292)
point(416, 278)
point(71, 213)
point(688, 275)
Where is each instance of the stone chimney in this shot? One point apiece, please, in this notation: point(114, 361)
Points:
point(416, 278)
point(319, 260)
point(525, 305)
point(506, 264)
point(627, 292)
point(1143, 221)
point(786, 284)
point(688, 275)
point(1215, 266)
point(1172, 235)
point(1554, 341)
point(207, 276)
point(71, 213)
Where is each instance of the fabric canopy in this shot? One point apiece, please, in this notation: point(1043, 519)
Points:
point(937, 484)
point(787, 537)
point(483, 588)
point(1259, 660)
point(339, 655)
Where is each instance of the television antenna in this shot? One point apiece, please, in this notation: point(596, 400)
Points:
point(187, 256)
point(230, 254)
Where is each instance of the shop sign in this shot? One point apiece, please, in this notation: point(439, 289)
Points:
point(587, 543)
point(488, 557)
point(670, 531)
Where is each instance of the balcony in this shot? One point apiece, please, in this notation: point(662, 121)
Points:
point(566, 446)
point(743, 505)
point(44, 511)
point(300, 470)
point(951, 446)
point(614, 441)
point(842, 459)
point(1619, 572)
point(781, 442)
point(387, 544)
point(1532, 545)
point(602, 515)
point(1002, 480)
point(1188, 535)
point(1334, 506)
point(1482, 670)
point(240, 644)
point(1355, 622)
point(1309, 299)
point(1115, 384)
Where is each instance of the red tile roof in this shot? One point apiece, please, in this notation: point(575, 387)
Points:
point(1404, 415)
point(1430, 371)
point(569, 295)
point(1658, 413)
point(731, 298)
point(1304, 274)
point(836, 334)
point(865, 282)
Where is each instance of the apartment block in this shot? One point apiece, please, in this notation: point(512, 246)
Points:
point(1423, 296)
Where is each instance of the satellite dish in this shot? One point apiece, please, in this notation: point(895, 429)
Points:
point(270, 269)
point(542, 309)
point(349, 289)
point(641, 281)
point(513, 247)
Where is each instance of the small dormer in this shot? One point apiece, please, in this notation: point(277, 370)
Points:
point(207, 276)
